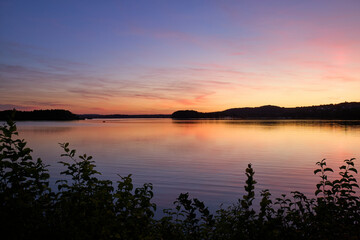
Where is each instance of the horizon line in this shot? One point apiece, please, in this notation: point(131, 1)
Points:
point(169, 114)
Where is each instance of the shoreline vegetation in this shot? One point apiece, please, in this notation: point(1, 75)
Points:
point(39, 115)
point(85, 207)
point(341, 111)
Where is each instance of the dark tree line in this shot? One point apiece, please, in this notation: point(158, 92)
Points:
point(345, 111)
point(49, 115)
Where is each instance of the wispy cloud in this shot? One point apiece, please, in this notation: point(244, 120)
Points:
point(342, 78)
point(17, 107)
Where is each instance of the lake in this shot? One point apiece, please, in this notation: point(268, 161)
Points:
point(206, 158)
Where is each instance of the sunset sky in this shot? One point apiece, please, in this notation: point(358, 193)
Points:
point(142, 57)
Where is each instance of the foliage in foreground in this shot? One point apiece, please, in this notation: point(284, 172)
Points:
point(85, 207)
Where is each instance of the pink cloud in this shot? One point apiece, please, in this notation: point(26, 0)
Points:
point(237, 54)
point(341, 78)
point(195, 100)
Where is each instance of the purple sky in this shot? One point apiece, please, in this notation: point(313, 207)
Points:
point(139, 57)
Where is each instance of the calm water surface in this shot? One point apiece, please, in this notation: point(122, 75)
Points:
point(206, 158)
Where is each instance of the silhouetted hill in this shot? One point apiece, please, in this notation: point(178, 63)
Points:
point(343, 111)
point(48, 115)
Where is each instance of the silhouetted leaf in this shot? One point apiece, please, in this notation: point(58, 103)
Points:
point(353, 169)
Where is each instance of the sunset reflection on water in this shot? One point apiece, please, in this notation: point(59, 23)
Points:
point(206, 158)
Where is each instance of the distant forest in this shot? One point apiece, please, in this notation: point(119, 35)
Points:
point(343, 111)
point(46, 115)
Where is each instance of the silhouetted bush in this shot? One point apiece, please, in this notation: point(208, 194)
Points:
point(85, 207)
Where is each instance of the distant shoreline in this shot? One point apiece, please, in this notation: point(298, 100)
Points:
point(114, 116)
point(341, 111)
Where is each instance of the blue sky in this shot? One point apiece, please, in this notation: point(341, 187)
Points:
point(161, 56)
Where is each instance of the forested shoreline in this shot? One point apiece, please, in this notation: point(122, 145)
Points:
point(39, 115)
point(341, 111)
